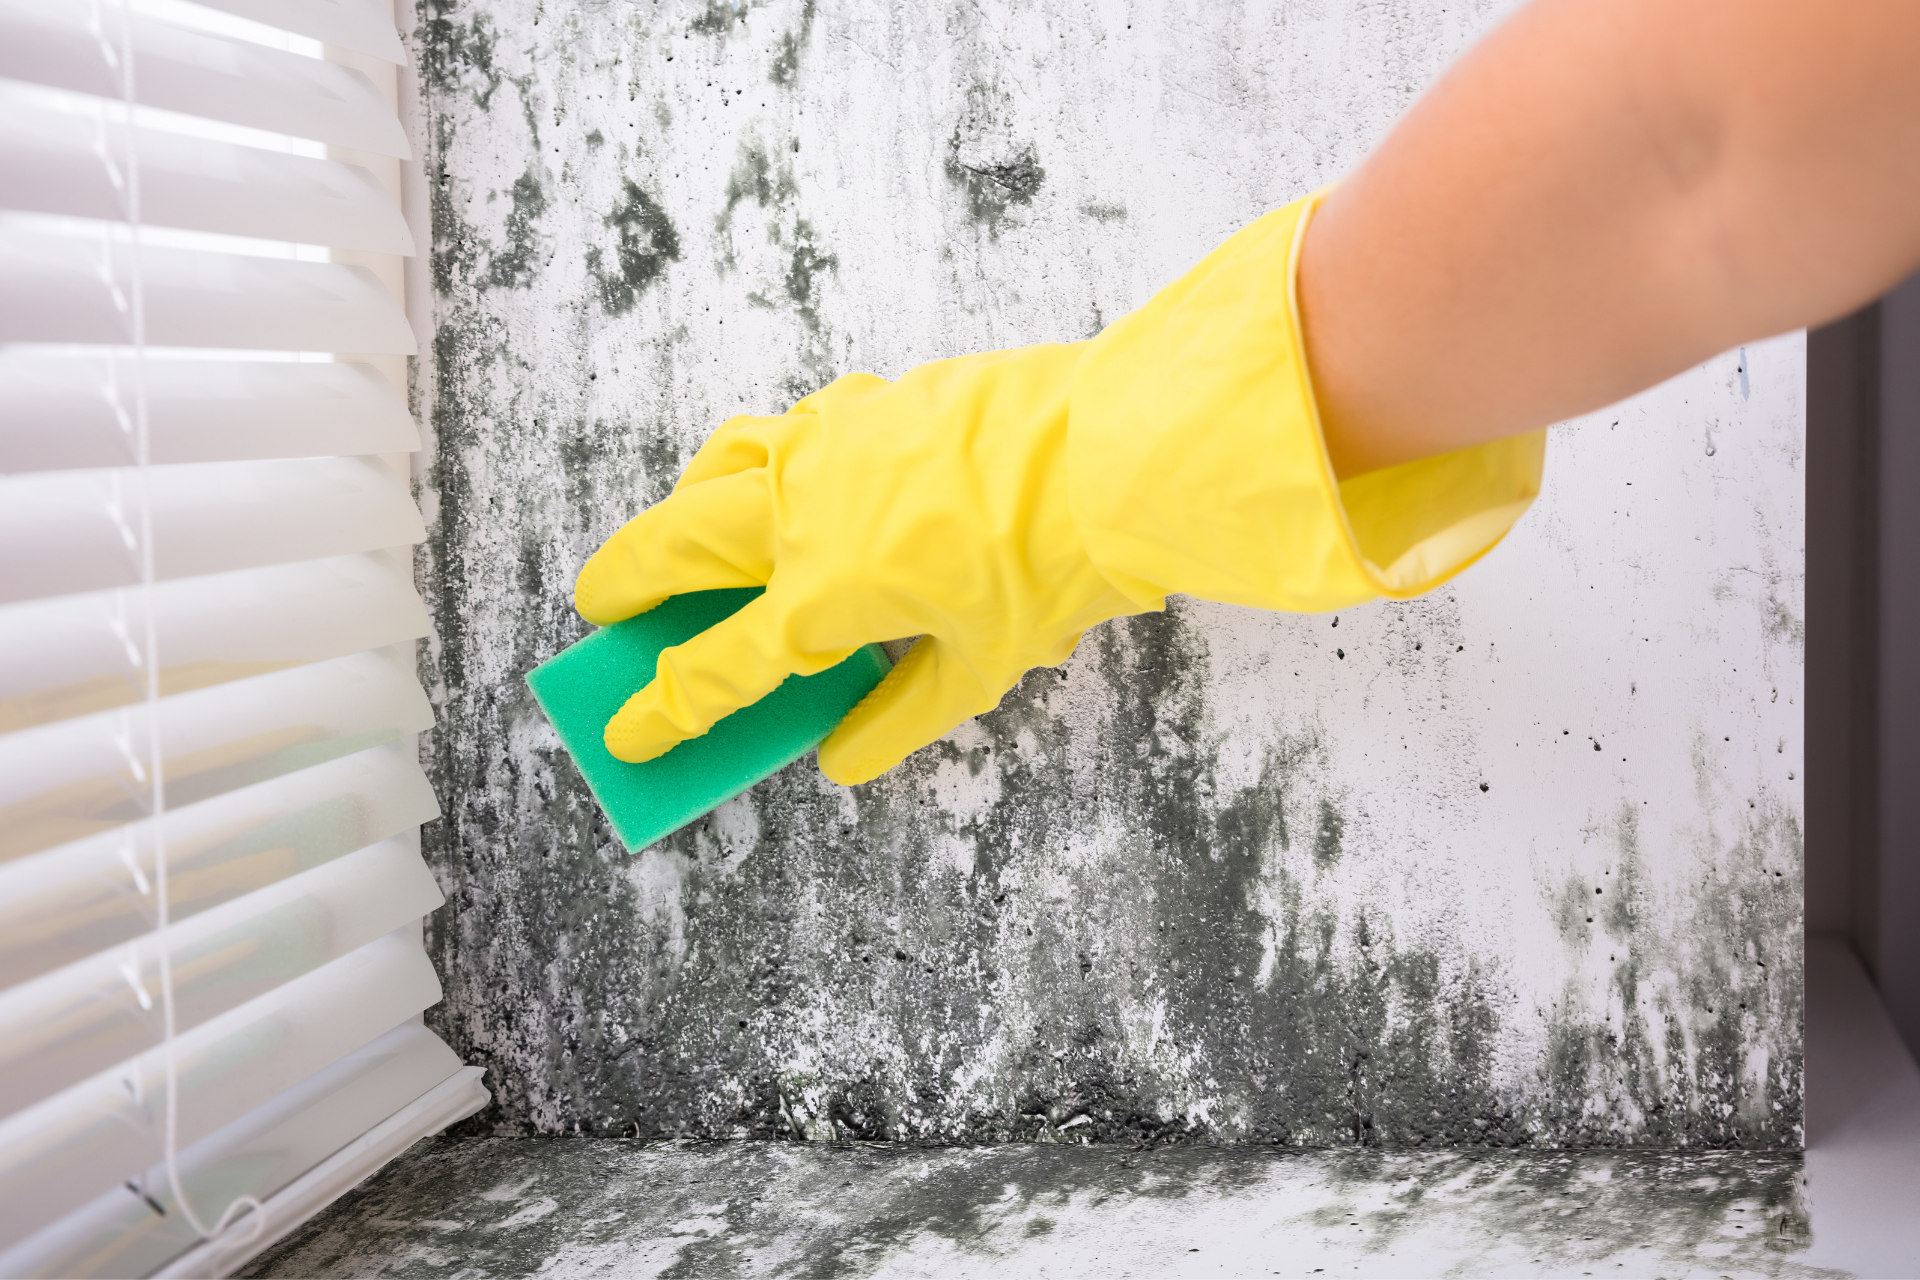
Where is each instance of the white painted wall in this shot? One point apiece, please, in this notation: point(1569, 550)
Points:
point(1652, 603)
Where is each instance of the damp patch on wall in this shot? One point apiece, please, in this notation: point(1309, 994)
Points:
point(1515, 864)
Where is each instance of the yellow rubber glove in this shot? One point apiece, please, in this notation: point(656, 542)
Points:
point(999, 505)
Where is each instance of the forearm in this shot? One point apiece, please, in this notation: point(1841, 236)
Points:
point(1601, 194)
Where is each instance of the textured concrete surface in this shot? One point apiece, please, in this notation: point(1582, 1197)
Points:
point(1517, 863)
point(573, 1207)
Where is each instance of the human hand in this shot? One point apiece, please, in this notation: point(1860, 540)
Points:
point(998, 505)
point(935, 506)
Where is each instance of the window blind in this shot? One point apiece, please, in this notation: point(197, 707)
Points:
point(209, 793)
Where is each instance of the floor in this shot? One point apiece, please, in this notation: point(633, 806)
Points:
point(563, 1207)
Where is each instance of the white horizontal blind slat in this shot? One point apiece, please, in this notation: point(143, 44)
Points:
point(74, 288)
point(50, 42)
point(59, 1154)
point(60, 412)
point(119, 1234)
point(77, 655)
point(64, 532)
point(363, 26)
point(72, 779)
point(50, 162)
point(80, 1020)
point(65, 904)
point(203, 573)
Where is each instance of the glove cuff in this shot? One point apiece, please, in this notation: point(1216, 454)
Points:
point(1196, 462)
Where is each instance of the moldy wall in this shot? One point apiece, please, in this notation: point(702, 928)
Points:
point(1516, 863)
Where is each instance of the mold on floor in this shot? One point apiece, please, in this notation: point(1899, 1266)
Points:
point(572, 1207)
point(1517, 864)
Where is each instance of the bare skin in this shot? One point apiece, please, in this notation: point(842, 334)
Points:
point(1601, 194)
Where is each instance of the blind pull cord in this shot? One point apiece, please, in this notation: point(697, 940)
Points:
point(132, 303)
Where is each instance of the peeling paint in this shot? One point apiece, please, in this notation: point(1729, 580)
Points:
point(1223, 875)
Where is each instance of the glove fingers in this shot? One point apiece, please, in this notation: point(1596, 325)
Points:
point(741, 443)
point(730, 665)
point(922, 699)
point(715, 534)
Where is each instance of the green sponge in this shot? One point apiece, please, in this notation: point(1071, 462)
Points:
point(585, 684)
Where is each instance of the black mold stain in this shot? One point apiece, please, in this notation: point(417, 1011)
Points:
point(450, 50)
point(1306, 1049)
point(1375, 1050)
point(719, 17)
point(1786, 626)
point(605, 992)
point(757, 180)
point(661, 463)
point(453, 56)
point(480, 546)
point(1327, 834)
point(993, 186)
point(1678, 1072)
point(754, 177)
point(647, 243)
point(786, 63)
point(513, 267)
point(514, 1206)
point(803, 272)
point(996, 170)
